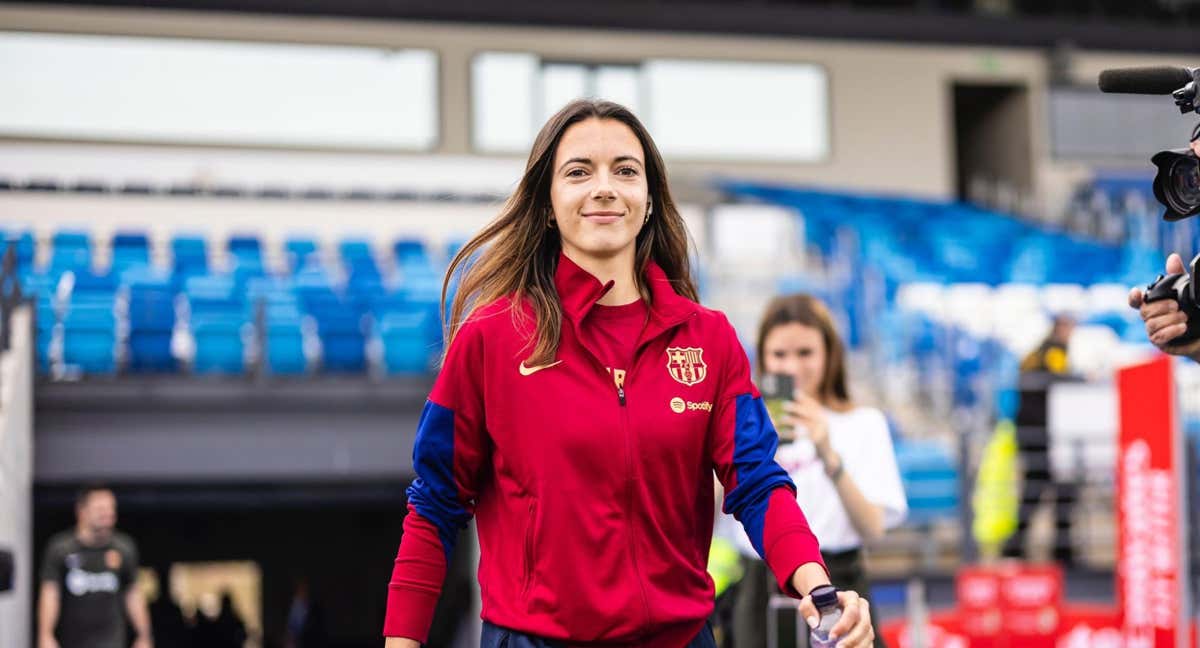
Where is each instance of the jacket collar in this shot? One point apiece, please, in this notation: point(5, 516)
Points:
point(579, 290)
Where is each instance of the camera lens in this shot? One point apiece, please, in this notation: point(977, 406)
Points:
point(1177, 183)
point(1184, 191)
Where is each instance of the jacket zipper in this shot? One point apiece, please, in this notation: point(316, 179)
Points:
point(619, 381)
point(619, 377)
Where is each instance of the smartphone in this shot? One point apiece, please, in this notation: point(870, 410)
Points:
point(776, 390)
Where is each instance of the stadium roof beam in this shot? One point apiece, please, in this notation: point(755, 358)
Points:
point(920, 22)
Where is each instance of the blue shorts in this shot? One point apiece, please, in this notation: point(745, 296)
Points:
point(494, 636)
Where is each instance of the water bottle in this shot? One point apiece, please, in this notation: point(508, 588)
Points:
point(826, 600)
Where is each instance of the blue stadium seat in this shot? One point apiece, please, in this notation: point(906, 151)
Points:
point(46, 326)
point(89, 284)
point(130, 250)
point(930, 478)
point(151, 323)
point(218, 315)
point(284, 351)
point(410, 340)
point(343, 343)
point(189, 258)
point(219, 346)
point(411, 252)
point(24, 248)
point(299, 251)
point(89, 336)
point(355, 253)
point(245, 246)
point(71, 250)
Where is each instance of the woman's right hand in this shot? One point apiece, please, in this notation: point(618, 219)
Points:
point(854, 629)
point(401, 642)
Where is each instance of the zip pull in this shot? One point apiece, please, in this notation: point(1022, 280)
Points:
point(619, 381)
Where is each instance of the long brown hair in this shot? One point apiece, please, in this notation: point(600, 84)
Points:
point(811, 312)
point(516, 254)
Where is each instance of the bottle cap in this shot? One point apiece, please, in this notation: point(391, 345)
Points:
point(824, 596)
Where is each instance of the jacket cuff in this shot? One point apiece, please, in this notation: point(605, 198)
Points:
point(409, 613)
point(789, 552)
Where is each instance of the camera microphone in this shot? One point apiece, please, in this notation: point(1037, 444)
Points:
point(1146, 80)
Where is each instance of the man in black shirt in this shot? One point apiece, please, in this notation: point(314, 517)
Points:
point(89, 581)
point(1040, 369)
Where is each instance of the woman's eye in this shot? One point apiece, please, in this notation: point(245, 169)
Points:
point(627, 171)
point(575, 173)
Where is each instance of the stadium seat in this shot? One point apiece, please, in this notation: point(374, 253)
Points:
point(72, 250)
point(298, 252)
point(930, 477)
point(217, 317)
point(151, 323)
point(189, 258)
point(89, 336)
point(219, 346)
point(409, 339)
point(129, 250)
point(284, 340)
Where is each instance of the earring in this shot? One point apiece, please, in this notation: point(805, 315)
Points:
point(549, 219)
point(649, 210)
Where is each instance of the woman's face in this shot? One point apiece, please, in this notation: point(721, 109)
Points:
point(599, 190)
point(798, 351)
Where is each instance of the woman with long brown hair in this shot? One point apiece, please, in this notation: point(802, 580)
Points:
point(839, 455)
point(584, 403)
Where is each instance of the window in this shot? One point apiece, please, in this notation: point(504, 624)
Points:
point(762, 111)
point(514, 94)
point(217, 92)
point(1088, 125)
point(738, 111)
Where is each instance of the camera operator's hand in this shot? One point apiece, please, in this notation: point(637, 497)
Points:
point(1164, 321)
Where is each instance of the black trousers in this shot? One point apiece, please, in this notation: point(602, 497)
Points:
point(749, 628)
point(1034, 446)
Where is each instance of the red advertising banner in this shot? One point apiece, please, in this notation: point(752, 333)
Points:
point(1009, 604)
point(1151, 563)
point(942, 630)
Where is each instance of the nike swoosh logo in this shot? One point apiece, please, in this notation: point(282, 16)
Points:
point(529, 371)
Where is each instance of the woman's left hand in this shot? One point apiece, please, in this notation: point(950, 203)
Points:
point(854, 629)
point(805, 413)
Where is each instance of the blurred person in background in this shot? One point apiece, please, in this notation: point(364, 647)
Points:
point(1039, 370)
point(171, 627)
point(584, 402)
point(839, 455)
point(231, 630)
point(305, 619)
point(89, 581)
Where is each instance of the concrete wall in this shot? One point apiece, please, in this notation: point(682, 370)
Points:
point(891, 104)
point(16, 480)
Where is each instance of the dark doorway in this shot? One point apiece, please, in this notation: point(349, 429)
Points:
point(993, 145)
point(339, 540)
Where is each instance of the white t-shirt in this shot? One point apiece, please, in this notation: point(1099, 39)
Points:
point(860, 437)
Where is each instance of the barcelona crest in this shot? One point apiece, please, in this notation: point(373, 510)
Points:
point(686, 364)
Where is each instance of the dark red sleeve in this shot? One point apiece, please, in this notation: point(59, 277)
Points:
point(758, 492)
point(450, 448)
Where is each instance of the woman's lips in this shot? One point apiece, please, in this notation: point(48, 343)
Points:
point(603, 218)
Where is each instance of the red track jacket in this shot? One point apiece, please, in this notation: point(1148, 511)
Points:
point(592, 489)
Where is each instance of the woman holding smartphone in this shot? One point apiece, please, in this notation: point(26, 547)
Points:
point(840, 456)
point(584, 404)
